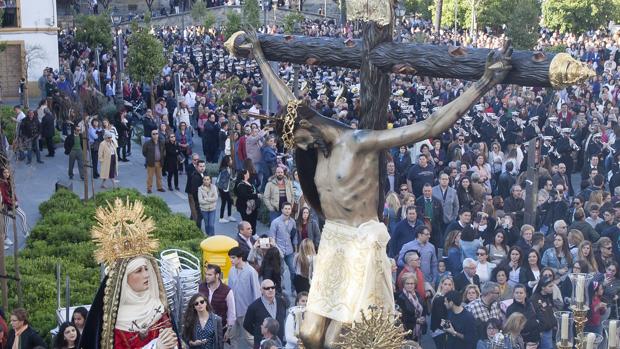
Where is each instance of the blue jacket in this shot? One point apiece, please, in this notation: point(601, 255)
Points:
point(403, 233)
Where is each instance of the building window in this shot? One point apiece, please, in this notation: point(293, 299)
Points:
point(9, 10)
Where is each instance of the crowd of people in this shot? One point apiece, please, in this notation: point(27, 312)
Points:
point(468, 258)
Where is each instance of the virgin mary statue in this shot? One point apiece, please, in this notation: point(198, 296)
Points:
point(130, 309)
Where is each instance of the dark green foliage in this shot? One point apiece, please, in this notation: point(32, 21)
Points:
point(233, 23)
point(251, 14)
point(94, 30)
point(145, 55)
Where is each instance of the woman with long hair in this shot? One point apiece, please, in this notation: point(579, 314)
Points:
point(248, 199)
point(439, 311)
point(308, 227)
point(513, 264)
point(585, 253)
point(484, 268)
point(249, 165)
point(68, 336)
point(171, 161)
point(407, 200)
point(411, 307)
point(202, 328)
point(530, 271)
point(558, 258)
point(224, 178)
point(544, 305)
point(390, 217)
point(512, 329)
point(492, 327)
point(498, 250)
point(304, 261)
point(453, 253)
point(79, 318)
point(575, 238)
point(483, 170)
point(207, 200)
point(465, 194)
point(271, 268)
point(185, 141)
point(290, 324)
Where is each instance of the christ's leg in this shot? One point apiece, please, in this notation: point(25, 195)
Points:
point(313, 330)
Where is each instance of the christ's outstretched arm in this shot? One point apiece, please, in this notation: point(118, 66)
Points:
point(496, 70)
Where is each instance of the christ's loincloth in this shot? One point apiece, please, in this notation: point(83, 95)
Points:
point(351, 271)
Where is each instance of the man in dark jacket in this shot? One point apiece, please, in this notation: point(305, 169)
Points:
point(154, 153)
point(47, 132)
point(431, 212)
point(268, 305)
point(73, 148)
point(195, 181)
point(30, 130)
point(190, 171)
point(405, 231)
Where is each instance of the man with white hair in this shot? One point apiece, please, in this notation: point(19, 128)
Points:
point(467, 276)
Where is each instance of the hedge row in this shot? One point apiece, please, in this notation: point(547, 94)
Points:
point(62, 236)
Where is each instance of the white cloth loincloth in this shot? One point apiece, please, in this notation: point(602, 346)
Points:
point(351, 271)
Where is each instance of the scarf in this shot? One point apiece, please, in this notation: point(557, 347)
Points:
point(417, 331)
point(139, 310)
point(18, 333)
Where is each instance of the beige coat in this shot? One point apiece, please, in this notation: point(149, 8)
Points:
point(271, 198)
point(106, 150)
point(207, 197)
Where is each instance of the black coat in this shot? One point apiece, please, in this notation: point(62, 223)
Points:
point(30, 128)
point(461, 281)
point(191, 169)
point(171, 163)
point(244, 193)
point(47, 125)
point(408, 311)
point(255, 315)
point(28, 340)
point(530, 332)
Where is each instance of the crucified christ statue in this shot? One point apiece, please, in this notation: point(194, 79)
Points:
point(339, 172)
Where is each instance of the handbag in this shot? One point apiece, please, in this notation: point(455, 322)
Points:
point(180, 158)
point(250, 206)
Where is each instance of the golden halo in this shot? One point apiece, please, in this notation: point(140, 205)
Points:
point(122, 231)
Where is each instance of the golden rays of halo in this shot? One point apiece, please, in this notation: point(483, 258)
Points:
point(122, 231)
point(377, 329)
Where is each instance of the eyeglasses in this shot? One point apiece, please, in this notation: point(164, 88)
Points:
point(202, 301)
point(403, 189)
point(268, 288)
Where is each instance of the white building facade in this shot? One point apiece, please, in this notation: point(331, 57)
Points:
point(30, 31)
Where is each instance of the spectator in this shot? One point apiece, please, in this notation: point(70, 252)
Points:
point(431, 212)
point(271, 268)
point(245, 237)
point(292, 326)
point(30, 131)
point(202, 328)
point(486, 307)
point(500, 276)
point(73, 148)
point(267, 306)
point(78, 318)
point(47, 132)
point(282, 230)
point(124, 129)
point(154, 152)
point(558, 258)
point(68, 336)
point(426, 250)
point(543, 303)
point(521, 304)
point(243, 281)
point(470, 294)
point(460, 328)
point(221, 297)
point(278, 190)
point(405, 231)
point(171, 161)
point(107, 160)
point(484, 268)
point(453, 253)
point(449, 200)
point(308, 227)
point(492, 327)
point(514, 326)
point(411, 308)
point(530, 271)
point(269, 329)
point(193, 205)
point(467, 276)
point(304, 263)
point(439, 312)
point(248, 198)
point(224, 178)
point(207, 199)
point(22, 335)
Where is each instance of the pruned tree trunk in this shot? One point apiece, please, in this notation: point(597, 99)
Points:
point(531, 184)
point(438, 9)
point(528, 68)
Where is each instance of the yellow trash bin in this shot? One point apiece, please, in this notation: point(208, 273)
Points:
point(215, 251)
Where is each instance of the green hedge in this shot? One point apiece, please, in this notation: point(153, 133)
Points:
point(62, 235)
point(9, 125)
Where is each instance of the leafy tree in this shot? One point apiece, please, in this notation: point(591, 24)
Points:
point(522, 25)
point(94, 30)
point(231, 90)
point(145, 55)
point(290, 20)
point(199, 11)
point(251, 14)
point(210, 20)
point(418, 6)
point(578, 15)
point(447, 17)
point(233, 23)
point(556, 49)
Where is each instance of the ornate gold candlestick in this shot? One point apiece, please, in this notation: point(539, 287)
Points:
point(580, 314)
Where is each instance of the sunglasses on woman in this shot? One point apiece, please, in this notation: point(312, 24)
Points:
point(202, 301)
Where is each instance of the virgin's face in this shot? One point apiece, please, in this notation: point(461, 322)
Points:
point(138, 280)
point(70, 334)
